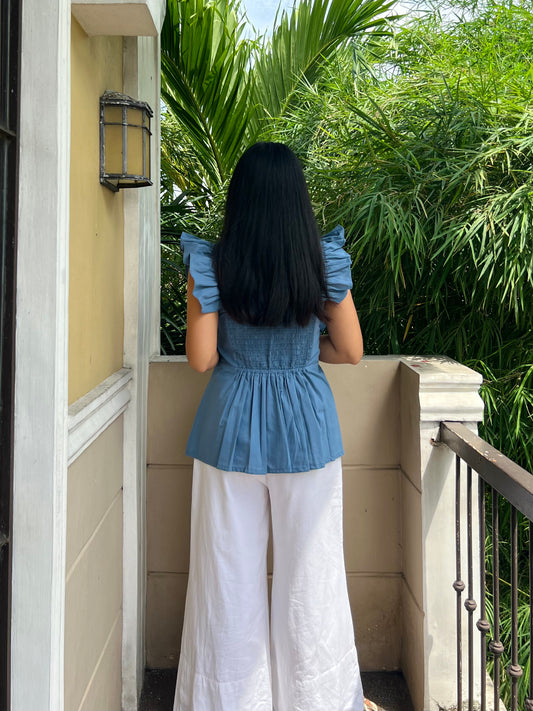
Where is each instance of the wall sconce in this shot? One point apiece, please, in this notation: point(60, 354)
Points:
point(124, 141)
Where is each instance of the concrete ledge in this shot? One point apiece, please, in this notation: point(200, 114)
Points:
point(121, 17)
point(447, 390)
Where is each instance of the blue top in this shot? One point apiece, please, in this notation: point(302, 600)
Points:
point(268, 406)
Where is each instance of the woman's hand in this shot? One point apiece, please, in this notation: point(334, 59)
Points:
point(201, 339)
point(344, 342)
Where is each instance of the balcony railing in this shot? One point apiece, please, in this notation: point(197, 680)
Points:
point(497, 478)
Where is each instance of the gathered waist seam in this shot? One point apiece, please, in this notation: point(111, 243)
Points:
point(268, 371)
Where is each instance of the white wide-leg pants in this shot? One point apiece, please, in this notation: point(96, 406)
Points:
point(231, 658)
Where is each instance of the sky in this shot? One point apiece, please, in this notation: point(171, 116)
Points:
point(261, 13)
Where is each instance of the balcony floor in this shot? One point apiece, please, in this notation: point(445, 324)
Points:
point(387, 689)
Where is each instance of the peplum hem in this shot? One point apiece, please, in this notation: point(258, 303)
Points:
point(230, 468)
point(263, 422)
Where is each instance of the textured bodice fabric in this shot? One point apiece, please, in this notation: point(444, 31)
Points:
point(268, 406)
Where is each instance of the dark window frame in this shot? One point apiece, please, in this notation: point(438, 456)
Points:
point(10, 38)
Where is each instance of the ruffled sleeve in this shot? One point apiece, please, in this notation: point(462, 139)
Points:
point(337, 265)
point(197, 257)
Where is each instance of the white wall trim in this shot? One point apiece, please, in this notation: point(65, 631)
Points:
point(41, 361)
point(89, 416)
point(168, 359)
point(141, 341)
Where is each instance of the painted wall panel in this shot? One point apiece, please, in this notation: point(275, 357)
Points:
point(96, 301)
point(104, 690)
point(165, 607)
point(168, 518)
point(93, 596)
point(92, 605)
point(372, 519)
point(378, 632)
point(94, 480)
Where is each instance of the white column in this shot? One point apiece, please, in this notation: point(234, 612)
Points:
point(41, 360)
point(444, 390)
point(141, 342)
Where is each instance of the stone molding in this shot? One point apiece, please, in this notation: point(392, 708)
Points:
point(135, 18)
point(89, 416)
point(141, 77)
point(168, 359)
point(447, 390)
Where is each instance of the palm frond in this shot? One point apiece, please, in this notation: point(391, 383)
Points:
point(303, 39)
point(206, 80)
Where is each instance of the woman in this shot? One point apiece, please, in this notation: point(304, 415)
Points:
point(266, 443)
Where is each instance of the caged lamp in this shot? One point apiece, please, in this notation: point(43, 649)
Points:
point(125, 153)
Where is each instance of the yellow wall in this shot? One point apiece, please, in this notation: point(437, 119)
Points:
point(96, 299)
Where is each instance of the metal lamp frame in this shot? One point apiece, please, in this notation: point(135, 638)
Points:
point(115, 181)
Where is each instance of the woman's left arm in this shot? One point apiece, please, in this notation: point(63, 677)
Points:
point(201, 339)
point(344, 342)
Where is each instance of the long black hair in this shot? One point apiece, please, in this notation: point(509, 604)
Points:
point(268, 262)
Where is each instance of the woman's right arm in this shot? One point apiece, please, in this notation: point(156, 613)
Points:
point(344, 341)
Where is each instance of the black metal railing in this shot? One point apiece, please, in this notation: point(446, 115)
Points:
point(10, 24)
point(499, 479)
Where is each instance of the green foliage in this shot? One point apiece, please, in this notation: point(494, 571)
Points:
point(173, 298)
point(205, 85)
point(219, 86)
point(303, 40)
